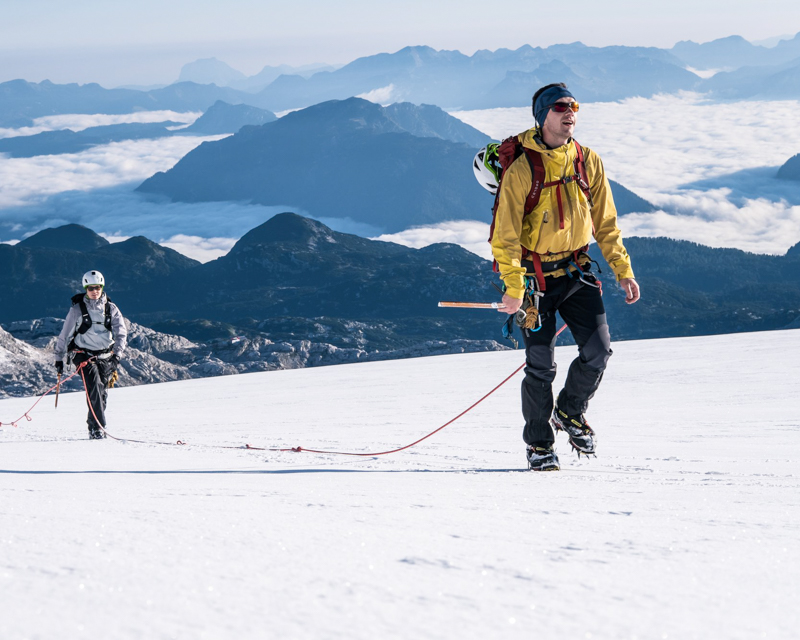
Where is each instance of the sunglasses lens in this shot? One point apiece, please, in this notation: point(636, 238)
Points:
point(561, 107)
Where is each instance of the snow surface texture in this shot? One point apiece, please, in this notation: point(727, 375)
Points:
point(685, 525)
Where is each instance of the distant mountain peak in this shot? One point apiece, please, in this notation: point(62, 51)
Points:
point(222, 117)
point(210, 71)
point(283, 228)
point(790, 170)
point(73, 237)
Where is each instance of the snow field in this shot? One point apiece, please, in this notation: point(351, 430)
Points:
point(685, 525)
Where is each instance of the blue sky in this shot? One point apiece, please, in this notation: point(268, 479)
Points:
point(147, 41)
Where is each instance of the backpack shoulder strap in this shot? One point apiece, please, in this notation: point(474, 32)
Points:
point(107, 319)
point(86, 319)
point(580, 170)
point(537, 179)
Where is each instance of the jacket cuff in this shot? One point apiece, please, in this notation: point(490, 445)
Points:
point(624, 272)
point(515, 286)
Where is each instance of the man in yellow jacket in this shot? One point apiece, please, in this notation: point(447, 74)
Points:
point(542, 262)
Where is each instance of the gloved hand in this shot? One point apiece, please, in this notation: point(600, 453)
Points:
point(114, 360)
point(59, 367)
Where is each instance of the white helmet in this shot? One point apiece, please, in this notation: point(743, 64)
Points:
point(487, 167)
point(93, 278)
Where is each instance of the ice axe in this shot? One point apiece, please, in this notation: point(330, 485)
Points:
point(58, 388)
point(472, 305)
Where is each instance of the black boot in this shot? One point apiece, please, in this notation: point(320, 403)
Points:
point(542, 458)
point(96, 434)
point(581, 436)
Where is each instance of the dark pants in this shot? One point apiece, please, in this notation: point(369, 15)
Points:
point(96, 374)
point(581, 307)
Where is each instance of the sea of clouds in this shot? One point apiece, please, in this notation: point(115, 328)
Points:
point(79, 121)
point(709, 168)
point(95, 188)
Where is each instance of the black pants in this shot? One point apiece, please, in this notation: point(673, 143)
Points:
point(96, 374)
point(581, 307)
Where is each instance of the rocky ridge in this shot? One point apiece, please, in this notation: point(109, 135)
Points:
point(26, 356)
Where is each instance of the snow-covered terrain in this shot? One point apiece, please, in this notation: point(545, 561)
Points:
point(686, 525)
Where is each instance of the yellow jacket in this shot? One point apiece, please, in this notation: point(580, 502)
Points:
point(541, 230)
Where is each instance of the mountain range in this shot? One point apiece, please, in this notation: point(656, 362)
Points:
point(21, 102)
point(389, 167)
point(213, 71)
point(293, 278)
point(220, 118)
point(449, 79)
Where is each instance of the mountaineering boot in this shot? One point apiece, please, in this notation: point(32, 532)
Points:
point(542, 458)
point(581, 435)
point(96, 434)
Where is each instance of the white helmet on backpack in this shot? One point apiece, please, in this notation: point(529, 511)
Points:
point(486, 166)
point(93, 278)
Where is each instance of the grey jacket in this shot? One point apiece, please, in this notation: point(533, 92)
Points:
point(97, 338)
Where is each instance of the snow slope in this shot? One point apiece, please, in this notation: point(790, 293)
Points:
point(685, 526)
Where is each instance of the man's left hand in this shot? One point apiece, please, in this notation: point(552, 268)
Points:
point(631, 289)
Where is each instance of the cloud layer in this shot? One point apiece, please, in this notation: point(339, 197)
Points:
point(471, 235)
point(30, 180)
point(79, 122)
point(710, 167)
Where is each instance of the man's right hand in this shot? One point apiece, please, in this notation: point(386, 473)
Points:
point(509, 305)
point(59, 367)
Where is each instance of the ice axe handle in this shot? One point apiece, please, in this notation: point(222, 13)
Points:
point(58, 388)
point(470, 305)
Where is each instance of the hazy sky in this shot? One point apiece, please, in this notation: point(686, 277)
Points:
point(147, 41)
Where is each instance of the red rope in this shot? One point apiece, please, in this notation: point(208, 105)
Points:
point(289, 449)
point(25, 415)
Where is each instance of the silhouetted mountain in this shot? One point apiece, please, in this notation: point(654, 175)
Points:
point(764, 82)
point(222, 117)
point(21, 101)
point(295, 266)
point(790, 170)
point(734, 52)
point(428, 121)
point(422, 75)
point(68, 141)
point(687, 290)
point(293, 276)
point(618, 78)
point(723, 53)
point(452, 80)
point(69, 237)
point(52, 262)
point(269, 74)
point(213, 71)
point(345, 159)
point(210, 71)
point(627, 201)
